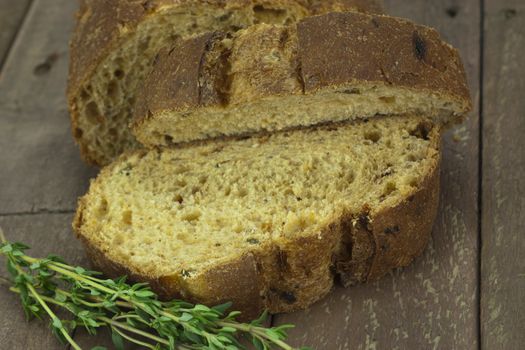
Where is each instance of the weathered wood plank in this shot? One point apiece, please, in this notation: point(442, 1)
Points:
point(46, 234)
point(503, 212)
point(34, 75)
point(433, 303)
point(41, 168)
point(12, 14)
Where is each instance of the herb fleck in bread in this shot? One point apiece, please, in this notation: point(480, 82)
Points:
point(326, 68)
point(267, 222)
point(115, 41)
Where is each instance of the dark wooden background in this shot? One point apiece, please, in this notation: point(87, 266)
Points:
point(466, 292)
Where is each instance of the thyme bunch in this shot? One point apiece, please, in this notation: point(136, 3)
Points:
point(132, 312)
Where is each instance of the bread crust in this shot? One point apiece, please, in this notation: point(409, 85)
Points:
point(330, 51)
point(383, 49)
point(102, 26)
point(293, 274)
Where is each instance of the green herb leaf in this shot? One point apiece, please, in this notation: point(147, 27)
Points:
point(117, 340)
point(132, 312)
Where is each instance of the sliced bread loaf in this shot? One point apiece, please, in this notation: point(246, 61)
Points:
point(333, 67)
point(115, 41)
point(267, 222)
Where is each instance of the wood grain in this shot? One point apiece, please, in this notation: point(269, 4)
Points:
point(46, 234)
point(35, 72)
point(12, 14)
point(41, 168)
point(432, 304)
point(503, 213)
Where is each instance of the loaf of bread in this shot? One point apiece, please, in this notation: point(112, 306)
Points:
point(333, 67)
point(115, 41)
point(269, 221)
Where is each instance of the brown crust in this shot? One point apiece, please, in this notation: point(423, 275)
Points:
point(356, 248)
point(191, 58)
point(337, 48)
point(393, 237)
point(102, 26)
point(326, 51)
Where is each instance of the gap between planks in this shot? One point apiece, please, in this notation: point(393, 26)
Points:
point(480, 160)
point(12, 39)
point(38, 212)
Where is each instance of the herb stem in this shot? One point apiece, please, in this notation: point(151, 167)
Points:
point(44, 305)
point(133, 312)
point(133, 340)
point(248, 328)
point(109, 321)
point(51, 314)
point(5, 281)
point(133, 330)
point(77, 276)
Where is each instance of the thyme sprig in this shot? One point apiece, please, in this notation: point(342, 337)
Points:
point(132, 312)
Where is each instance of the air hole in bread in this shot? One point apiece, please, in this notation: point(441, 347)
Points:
point(85, 95)
point(195, 189)
point(181, 169)
point(93, 113)
point(225, 17)
point(113, 91)
point(168, 140)
point(390, 188)
point(412, 182)
point(191, 215)
point(102, 209)
point(118, 239)
point(118, 73)
point(422, 130)
point(267, 226)
point(78, 133)
point(267, 15)
point(182, 237)
point(178, 198)
point(413, 158)
point(144, 44)
point(387, 99)
point(253, 241)
point(348, 177)
point(242, 192)
point(127, 217)
point(353, 91)
point(373, 136)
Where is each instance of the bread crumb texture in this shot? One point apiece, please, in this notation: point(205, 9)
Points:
point(114, 45)
point(178, 214)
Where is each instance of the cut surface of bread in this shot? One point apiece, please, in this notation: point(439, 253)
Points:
point(333, 67)
point(115, 41)
point(266, 222)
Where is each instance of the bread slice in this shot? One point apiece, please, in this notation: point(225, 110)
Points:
point(267, 222)
point(115, 41)
point(333, 67)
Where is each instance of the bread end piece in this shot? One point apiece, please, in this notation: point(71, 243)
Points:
point(328, 68)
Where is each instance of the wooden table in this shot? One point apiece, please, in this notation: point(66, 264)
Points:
point(466, 292)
